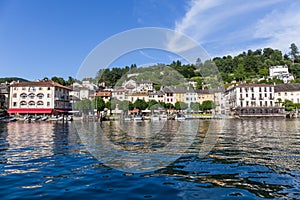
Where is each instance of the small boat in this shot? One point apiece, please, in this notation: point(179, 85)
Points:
point(180, 117)
point(137, 118)
point(163, 117)
point(44, 118)
point(155, 117)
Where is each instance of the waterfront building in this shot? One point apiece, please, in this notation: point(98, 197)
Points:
point(204, 95)
point(190, 96)
point(39, 97)
point(253, 100)
point(287, 92)
point(179, 94)
point(139, 95)
point(281, 72)
point(4, 95)
point(157, 96)
point(169, 96)
point(118, 94)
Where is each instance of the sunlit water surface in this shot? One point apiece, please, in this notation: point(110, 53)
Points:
point(250, 159)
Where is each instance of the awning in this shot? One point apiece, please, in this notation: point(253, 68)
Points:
point(30, 110)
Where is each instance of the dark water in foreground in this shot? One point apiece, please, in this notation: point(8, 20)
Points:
point(251, 159)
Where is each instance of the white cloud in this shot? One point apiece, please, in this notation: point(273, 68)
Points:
point(227, 26)
point(281, 27)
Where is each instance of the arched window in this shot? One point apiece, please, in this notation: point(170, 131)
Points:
point(23, 103)
point(40, 103)
point(40, 95)
point(31, 95)
point(23, 95)
point(31, 103)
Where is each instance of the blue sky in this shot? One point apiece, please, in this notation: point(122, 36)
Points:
point(43, 38)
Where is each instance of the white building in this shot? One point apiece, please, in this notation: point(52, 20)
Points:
point(156, 96)
point(287, 92)
point(253, 99)
point(190, 96)
point(41, 97)
point(118, 94)
point(281, 72)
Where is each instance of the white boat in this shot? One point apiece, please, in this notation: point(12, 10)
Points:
point(137, 118)
point(155, 117)
point(127, 119)
point(44, 118)
point(180, 117)
point(163, 117)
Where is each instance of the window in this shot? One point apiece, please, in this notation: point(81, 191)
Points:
point(48, 103)
point(23, 103)
point(259, 89)
point(15, 104)
point(271, 103)
point(23, 88)
point(40, 95)
point(40, 103)
point(266, 94)
point(241, 89)
point(48, 88)
point(48, 95)
point(265, 89)
point(246, 94)
point(260, 103)
point(31, 103)
point(31, 95)
point(247, 103)
point(15, 95)
point(266, 103)
point(279, 93)
point(23, 95)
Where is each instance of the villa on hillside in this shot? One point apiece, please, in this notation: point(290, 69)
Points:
point(281, 72)
point(39, 97)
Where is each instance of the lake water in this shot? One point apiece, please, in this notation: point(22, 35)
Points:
point(237, 159)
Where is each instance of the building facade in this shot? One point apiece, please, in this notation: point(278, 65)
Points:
point(40, 97)
point(253, 100)
point(287, 92)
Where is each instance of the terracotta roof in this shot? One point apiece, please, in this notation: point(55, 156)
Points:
point(287, 87)
point(103, 94)
point(40, 84)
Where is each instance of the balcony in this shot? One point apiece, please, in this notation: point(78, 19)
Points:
point(253, 98)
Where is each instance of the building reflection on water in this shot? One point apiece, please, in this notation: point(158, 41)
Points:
point(269, 142)
point(27, 146)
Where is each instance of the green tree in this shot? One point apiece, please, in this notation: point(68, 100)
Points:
point(59, 80)
point(84, 105)
point(294, 51)
point(111, 105)
point(140, 104)
point(195, 106)
point(168, 106)
point(125, 105)
point(98, 103)
point(181, 105)
point(70, 81)
point(207, 105)
point(289, 105)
